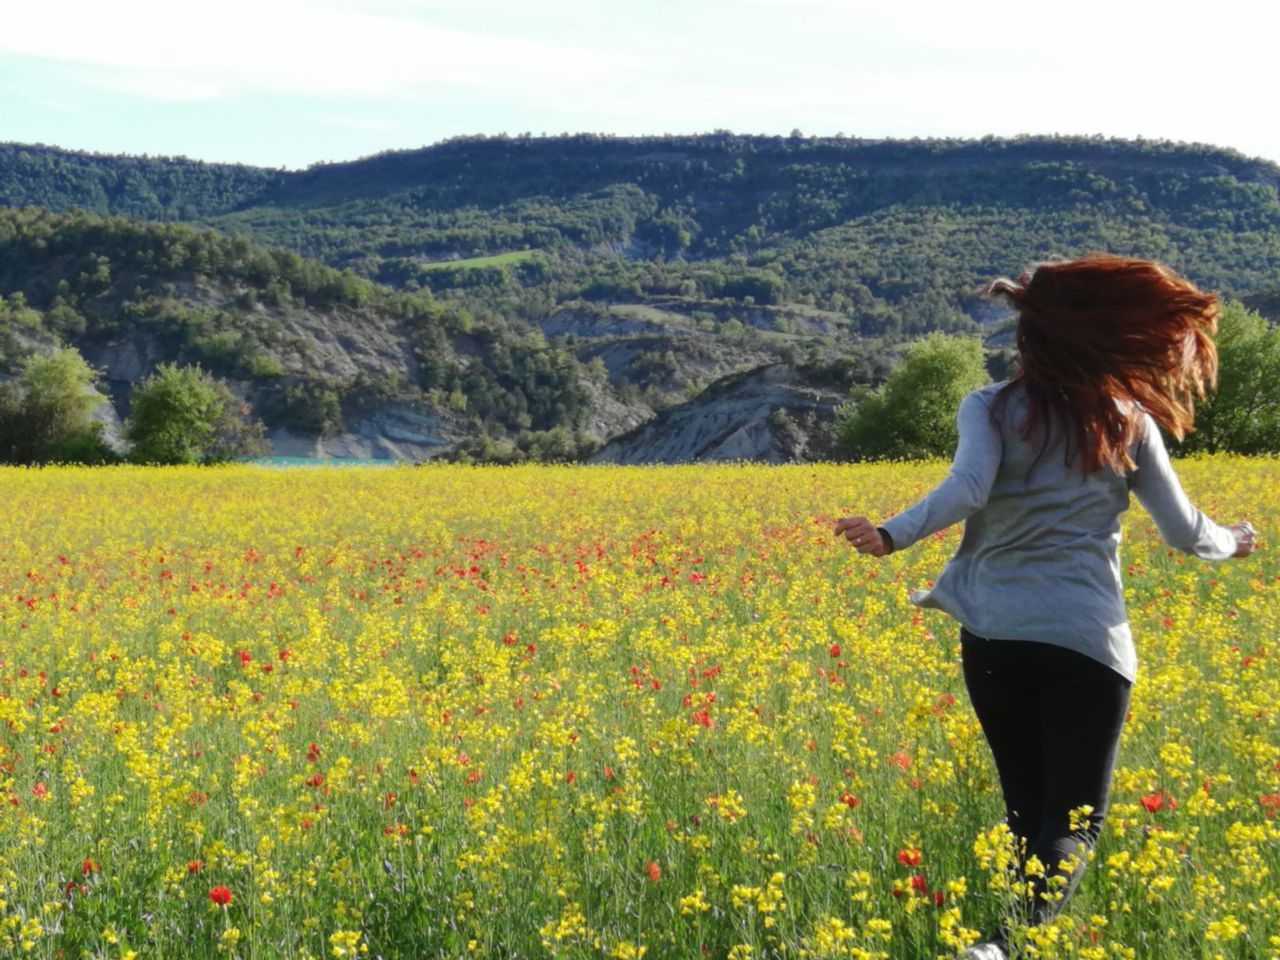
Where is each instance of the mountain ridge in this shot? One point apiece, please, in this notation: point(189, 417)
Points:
point(587, 283)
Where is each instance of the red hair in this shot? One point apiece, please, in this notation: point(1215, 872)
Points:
point(1103, 337)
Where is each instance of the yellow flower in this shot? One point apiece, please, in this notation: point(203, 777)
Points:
point(345, 943)
point(694, 903)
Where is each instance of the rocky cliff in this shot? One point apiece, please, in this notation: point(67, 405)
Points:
point(774, 414)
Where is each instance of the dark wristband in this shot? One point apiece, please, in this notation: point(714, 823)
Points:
point(884, 535)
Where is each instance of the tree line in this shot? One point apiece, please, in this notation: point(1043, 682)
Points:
point(182, 414)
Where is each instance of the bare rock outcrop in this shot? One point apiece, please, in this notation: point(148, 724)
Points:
point(772, 414)
point(392, 432)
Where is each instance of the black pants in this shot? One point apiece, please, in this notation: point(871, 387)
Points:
point(1052, 717)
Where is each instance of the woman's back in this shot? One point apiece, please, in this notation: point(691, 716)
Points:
point(1041, 502)
point(1039, 558)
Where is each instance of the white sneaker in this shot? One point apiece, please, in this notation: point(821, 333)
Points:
point(985, 951)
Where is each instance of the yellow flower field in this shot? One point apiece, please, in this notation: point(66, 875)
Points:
point(580, 712)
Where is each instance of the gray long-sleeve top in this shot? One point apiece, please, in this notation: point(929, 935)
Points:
point(1039, 556)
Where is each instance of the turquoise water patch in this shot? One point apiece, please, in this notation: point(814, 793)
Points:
point(323, 462)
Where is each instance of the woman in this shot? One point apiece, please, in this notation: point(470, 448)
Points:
point(1108, 347)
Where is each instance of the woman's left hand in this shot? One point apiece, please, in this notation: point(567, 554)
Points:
point(862, 533)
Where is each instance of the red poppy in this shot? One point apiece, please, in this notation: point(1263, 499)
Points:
point(653, 871)
point(909, 857)
point(1158, 800)
point(220, 895)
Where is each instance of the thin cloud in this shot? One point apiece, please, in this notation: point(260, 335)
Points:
point(169, 51)
point(58, 106)
point(414, 71)
point(363, 124)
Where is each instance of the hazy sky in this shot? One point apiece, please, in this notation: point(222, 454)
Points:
point(289, 83)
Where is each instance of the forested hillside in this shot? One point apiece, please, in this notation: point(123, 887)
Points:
point(315, 349)
point(619, 274)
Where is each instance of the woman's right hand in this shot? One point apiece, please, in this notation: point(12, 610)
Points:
point(863, 534)
point(1246, 537)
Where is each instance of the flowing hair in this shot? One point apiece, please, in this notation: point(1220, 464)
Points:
point(1102, 338)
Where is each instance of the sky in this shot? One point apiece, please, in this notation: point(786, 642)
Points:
point(288, 83)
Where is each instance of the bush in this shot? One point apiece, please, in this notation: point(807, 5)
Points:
point(45, 414)
point(913, 414)
point(184, 415)
point(309, 406)
point(1243, 414)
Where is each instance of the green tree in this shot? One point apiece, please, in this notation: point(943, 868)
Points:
point(185, 415)
point(913, 414)
point(1243, 414)
point(45, 414)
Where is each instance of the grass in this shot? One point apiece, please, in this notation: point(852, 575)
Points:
point(476, 263)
